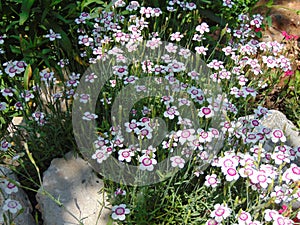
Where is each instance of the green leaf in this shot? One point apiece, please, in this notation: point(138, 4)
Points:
point(27, 76)
point(212, 16)
point(55, 2)
point(125, 12)
point(46, 51)
point(110, 221)
point(60, 17)
point(44, 14)
point(15, 49)
point(269, 21)
point(26, 6)
point(258, 34)
point(36, 75)
point(11, 25)
point(88, 2)
point(270, 3)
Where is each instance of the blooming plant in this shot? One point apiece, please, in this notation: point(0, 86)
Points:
point(244, 162)
point(220, 164)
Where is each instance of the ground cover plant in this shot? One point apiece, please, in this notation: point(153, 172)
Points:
point(229, 169)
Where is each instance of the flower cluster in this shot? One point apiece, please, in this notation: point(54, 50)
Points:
point(10, 205)
point(242, 73)
point(247, 170)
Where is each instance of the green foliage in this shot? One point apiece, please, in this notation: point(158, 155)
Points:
point(291, 98)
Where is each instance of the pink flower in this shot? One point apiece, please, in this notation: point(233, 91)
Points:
point(288, 73)
point(283, 209)
point(289, 36)
point(211, 222)
point(176, 36)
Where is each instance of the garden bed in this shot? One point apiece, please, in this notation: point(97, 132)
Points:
point(166, 101)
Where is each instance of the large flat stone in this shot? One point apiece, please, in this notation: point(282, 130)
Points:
point(77, 187)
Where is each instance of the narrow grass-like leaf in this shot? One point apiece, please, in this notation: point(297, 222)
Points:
point(88, 2)
point(26, 6)
point(27, 76)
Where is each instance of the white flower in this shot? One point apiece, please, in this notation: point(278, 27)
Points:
point(125, 154)
point(38, 116)
point(85, 40)
point(201, 50)
point(206, 112)
point(277, 135)
point(211, 181)
point(90, 78)
point(27, 95)
point(171, 112)
point(89, 116)
point(4, 145)
point(10, 187)
point(202, 28)
point(270, 214)
point(7, 92)
point(120, 191)
point(176, 36)
point(147, 163)
point(52, 36)
point(185, 135)
point(220, 212)
point(231, 174)
point(3, 106)
point(100, 156)
point(177, 161)
point(244, 218)
point(211, 222)
point(119, 212)
point(12, 206)
point(84, 98)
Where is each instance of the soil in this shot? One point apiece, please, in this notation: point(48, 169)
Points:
point(284, 15)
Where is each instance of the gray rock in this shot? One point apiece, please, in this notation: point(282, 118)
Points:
point(24, 218)
point(277, 120)
point(77, 187)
